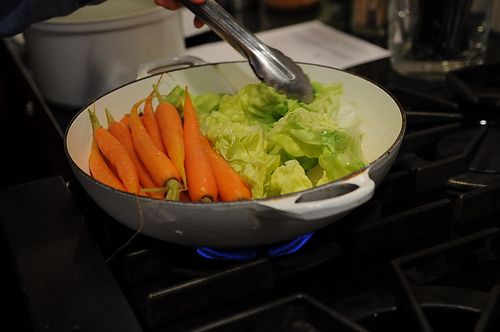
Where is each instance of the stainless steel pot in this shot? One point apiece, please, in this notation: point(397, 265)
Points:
point(77, 58)
point(248, 223)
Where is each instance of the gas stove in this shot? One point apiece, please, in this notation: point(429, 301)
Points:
point(422, 255)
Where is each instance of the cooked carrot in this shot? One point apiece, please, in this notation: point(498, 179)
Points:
point(151, 123)
point(124, 120)
point(170, 124)
point(175, 97)
point(100, 170)
point(230, 184)
point(117, 156)
point(200, 177)
point(159, 166)
point(122, 133)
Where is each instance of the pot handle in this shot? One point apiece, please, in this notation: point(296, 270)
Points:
point(331, 200)
point(161, 65)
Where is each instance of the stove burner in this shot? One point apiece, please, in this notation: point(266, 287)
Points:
point(227, 255)
point(282, 249)
point(289, 247)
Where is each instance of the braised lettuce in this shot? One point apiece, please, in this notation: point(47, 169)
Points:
point(280, 145)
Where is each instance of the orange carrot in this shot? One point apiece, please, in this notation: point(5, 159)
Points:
point(100, 170)
point(117, 156)
point(200, 178)
point(124, 120)
point(230, 184)
point(170, 124)
point(122, 133)
point(159, 166)
point(151, 123)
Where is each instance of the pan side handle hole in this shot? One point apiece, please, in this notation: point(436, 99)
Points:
point(326, 193)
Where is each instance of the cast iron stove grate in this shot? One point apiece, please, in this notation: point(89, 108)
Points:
point(441, 195)
point(423, 202)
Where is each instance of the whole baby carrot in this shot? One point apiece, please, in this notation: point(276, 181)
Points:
point(122, 133)
point(159, 166)
point(200, 177)
point(230, 184)
point(170, 124)
point(117, 156)
point(100, 170)
point(151, 123)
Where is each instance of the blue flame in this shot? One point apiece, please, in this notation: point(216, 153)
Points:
point(228, 255)
point(289, 247)
point(248, 254)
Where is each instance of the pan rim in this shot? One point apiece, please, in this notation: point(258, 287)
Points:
point(392, 148)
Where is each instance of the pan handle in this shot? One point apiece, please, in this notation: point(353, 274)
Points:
point(335, 199)
point(162, 65)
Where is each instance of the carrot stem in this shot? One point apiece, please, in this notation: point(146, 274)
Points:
point(172, 189)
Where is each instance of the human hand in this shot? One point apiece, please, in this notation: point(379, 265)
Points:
point(176, 4)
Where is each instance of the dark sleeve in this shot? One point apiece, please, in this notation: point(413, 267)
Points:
point(17, 15)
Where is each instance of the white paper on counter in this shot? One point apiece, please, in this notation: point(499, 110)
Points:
point(310, 42)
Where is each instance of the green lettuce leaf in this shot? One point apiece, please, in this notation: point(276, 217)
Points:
point(288, 178)
point(302, 133)
point(256, 104)
point(327, 98)
point(280, 145)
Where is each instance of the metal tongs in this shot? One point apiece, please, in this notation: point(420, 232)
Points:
point(269, 64)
